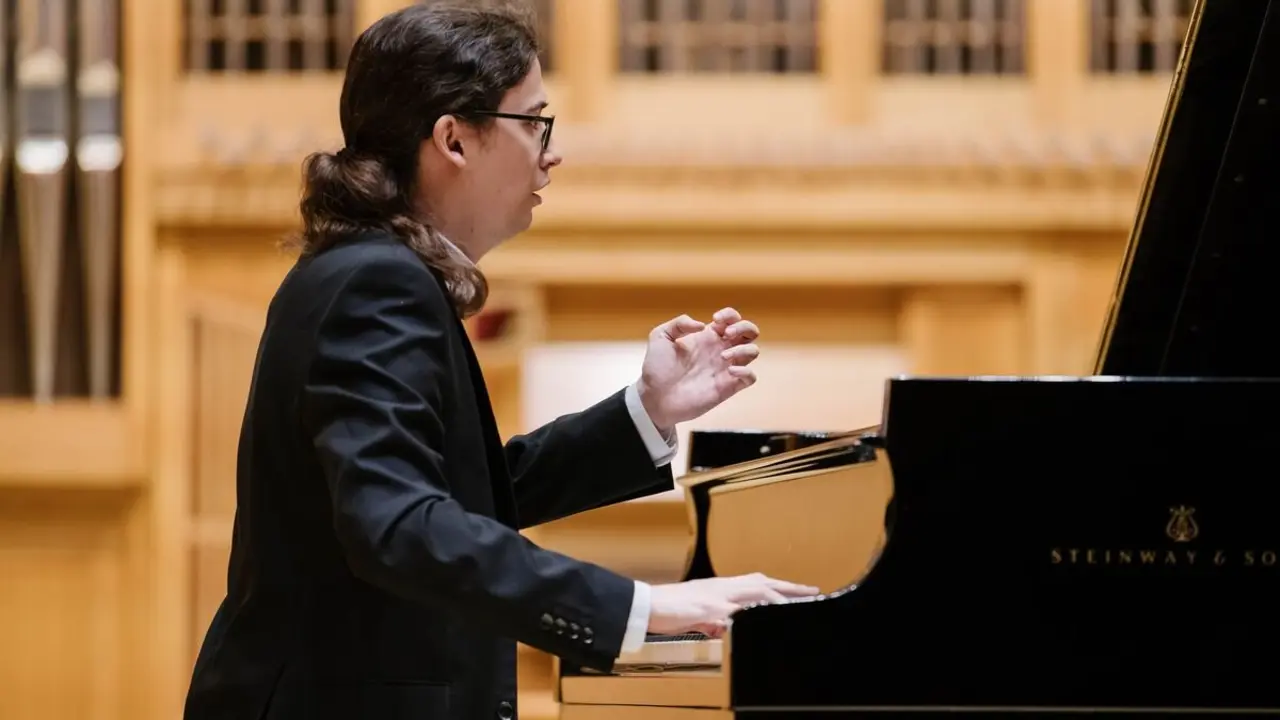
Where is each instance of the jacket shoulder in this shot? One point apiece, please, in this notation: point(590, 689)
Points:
point(373, 259)
point(360, 253)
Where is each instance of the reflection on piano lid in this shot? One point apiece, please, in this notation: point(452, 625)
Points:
point(758, 515)
point(1104, 544)
point(716, 448)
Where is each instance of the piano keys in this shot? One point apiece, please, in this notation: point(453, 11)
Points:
point(1036, 546)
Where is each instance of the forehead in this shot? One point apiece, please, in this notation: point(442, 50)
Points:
point(530, 96)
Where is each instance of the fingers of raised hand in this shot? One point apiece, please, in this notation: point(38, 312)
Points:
point(742, 331)
point(741, 354)
point(678, 327)
point(744, 376)
point(725, 317)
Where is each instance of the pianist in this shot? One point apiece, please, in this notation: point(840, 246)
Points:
point(376, 569)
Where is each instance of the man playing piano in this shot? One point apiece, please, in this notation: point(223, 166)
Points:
point(377, 570)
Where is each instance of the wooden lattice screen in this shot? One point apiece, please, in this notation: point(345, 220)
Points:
point(955, 37)
point(282, 36)
point(1137, 36)
point(718, 36)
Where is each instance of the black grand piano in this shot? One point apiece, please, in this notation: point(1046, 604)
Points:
point(1104, 545)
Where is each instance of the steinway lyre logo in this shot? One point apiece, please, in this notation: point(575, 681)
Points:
point(1177, 552)
point(1182, 525)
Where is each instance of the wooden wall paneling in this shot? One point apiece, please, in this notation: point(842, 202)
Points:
point(209, 321)
point(226, 321)
point(135, 632)
point(66, 603)
point(1069, 287)
point(225, 333)
point(242, 268)
point(225, 343)
point(964, 330)
point(211, 305)
point(797, 313)
point(171, 488)
point(71, 444)
point(737, 252)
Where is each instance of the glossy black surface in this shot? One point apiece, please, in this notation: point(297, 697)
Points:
point(977, 601)
point(717, 448)
point(1200, 287)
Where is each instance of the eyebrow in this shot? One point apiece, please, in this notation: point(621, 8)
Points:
point(537, 107)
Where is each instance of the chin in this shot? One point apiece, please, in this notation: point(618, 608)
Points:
point(523, 222)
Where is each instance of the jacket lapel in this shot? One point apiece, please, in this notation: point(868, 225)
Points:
point(499, 472)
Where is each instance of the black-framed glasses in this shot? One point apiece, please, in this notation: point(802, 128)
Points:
point(547, 122)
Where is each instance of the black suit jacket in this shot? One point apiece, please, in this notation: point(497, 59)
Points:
point(376, 570)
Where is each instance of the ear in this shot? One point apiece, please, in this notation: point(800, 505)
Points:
point(447, 139)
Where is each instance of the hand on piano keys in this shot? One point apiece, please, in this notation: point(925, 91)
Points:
point(688, 650)
point(704, 606)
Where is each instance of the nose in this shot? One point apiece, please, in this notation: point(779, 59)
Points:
point(551, 157)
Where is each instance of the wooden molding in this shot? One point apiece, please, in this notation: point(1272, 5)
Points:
point(69, 445)
point(964, 198)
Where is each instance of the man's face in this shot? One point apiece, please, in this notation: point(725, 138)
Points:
point(513, 163)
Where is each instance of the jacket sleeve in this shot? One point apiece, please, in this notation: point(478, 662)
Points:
point(583, 461)
point(376, 406)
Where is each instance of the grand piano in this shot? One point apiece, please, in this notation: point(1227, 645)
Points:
point(1046, 546)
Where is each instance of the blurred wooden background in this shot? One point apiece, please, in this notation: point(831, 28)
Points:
point(926, 186)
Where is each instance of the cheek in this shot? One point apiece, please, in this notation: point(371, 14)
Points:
point(498, 177)
point(520, 172)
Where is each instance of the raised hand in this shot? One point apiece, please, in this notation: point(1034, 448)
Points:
point(691, 366)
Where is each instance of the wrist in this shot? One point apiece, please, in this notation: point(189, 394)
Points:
point(652, 408)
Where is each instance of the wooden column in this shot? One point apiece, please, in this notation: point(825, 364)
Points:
point(1058, 60)
point(586, 38)
point(148, 106)
point(849, 57)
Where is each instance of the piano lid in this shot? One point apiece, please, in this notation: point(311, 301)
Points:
point(1199, 289)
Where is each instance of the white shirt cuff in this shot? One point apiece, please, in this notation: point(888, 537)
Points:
point(638, 621)
point(661, 449)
